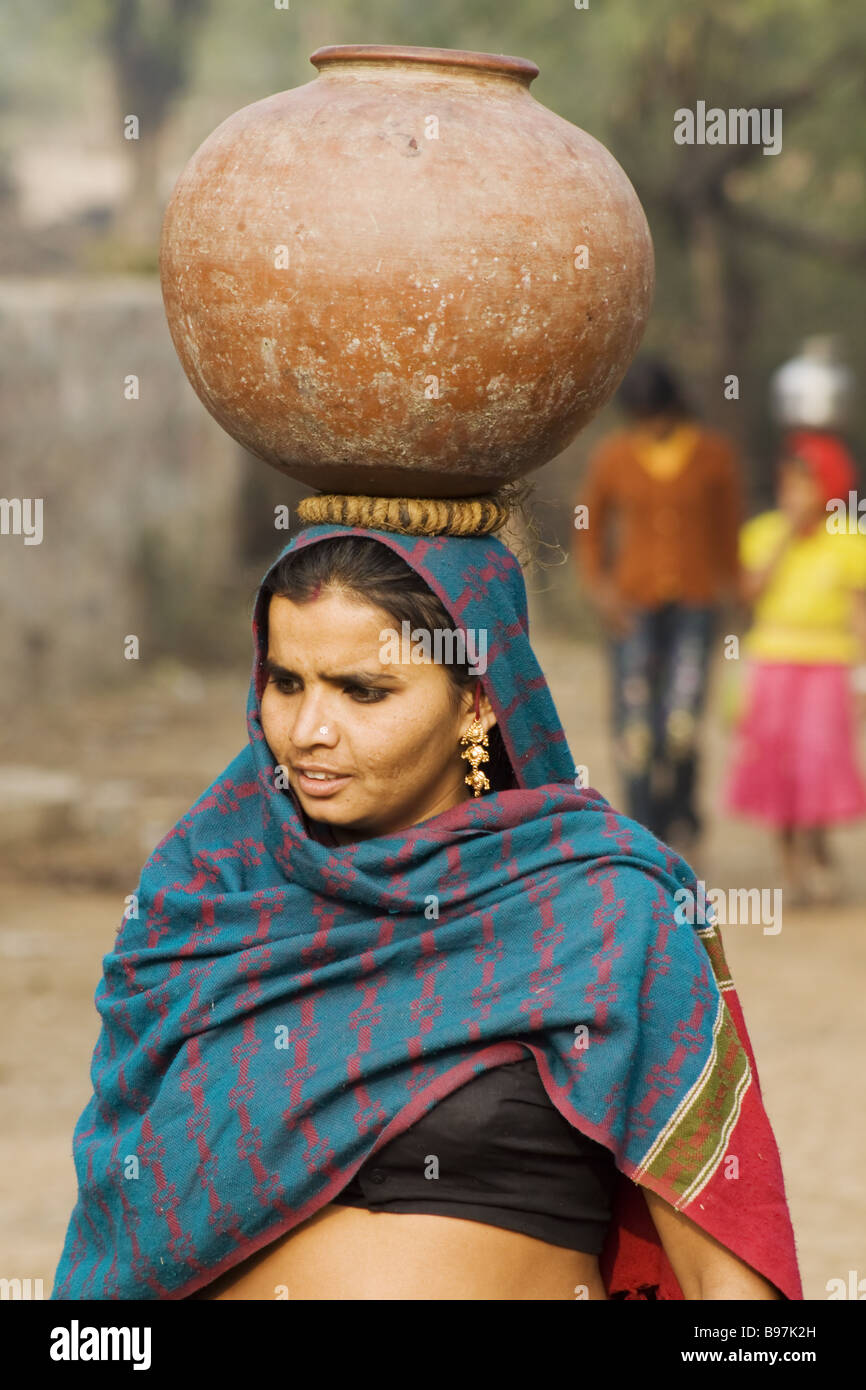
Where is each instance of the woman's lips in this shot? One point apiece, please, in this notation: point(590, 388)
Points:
point(321, 786)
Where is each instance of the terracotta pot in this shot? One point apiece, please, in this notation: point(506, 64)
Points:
point(374, 281)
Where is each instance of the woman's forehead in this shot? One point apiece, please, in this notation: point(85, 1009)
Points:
point(334, 642)
point(334, 615)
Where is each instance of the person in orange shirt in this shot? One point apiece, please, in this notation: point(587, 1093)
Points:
point(658, 555)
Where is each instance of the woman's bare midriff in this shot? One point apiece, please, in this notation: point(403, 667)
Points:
point(350, 1253)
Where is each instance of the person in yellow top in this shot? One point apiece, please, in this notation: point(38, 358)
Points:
point(804, 573)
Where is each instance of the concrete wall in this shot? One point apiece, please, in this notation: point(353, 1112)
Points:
point(139, 497)
point(154, 521)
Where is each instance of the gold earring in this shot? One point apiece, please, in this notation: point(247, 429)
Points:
point(476, 753)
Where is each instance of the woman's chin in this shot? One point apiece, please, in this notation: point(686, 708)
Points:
point(348, 825)
point(340, 817)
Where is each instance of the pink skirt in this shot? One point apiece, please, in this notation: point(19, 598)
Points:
point(795, 751)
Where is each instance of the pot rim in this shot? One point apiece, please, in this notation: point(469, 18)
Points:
point(501, 64)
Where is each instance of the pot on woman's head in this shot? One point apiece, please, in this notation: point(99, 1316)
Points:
point(406, 277)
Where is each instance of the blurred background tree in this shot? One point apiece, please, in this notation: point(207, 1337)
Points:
point(150, 45)
point(753, 251)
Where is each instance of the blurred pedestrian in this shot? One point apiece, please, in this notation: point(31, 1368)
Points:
point(795, 761)
point(669, 490)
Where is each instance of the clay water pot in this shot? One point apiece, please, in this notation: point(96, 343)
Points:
point(406, 276)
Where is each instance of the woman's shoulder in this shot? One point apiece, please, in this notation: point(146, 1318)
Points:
point(759, 535)
point(714, 451)
point(610, 452)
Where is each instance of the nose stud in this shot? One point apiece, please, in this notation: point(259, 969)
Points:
point(323, 729)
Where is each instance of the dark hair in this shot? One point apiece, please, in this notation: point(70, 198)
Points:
point(650, 388)
point(373, 573)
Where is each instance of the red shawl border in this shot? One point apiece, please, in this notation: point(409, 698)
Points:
point(633, 1263)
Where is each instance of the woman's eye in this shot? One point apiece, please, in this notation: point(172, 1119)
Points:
point(363, 694)
point(366, 695)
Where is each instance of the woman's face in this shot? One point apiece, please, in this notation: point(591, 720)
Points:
point(334, 698)
point(800, 496)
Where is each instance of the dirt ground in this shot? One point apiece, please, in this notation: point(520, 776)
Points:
point(134, 761)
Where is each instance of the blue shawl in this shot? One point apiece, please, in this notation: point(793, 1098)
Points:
point(278, 1009)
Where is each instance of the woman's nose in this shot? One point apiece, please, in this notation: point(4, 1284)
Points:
point(313, 723)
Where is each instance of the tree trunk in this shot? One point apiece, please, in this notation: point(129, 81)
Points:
point(139, 217)
point(714, 351)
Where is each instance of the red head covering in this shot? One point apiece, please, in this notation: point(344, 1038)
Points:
point(829, 461)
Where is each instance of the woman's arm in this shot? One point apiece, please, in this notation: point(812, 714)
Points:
point(754, 582)
point(727, 518)
point(858, 622)
point(705, 1268)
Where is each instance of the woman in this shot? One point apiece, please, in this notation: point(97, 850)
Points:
point(669, 489)
point(795, 758)
point(390, 1033)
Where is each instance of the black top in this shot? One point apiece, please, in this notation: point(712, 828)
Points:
point(498, 1151)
